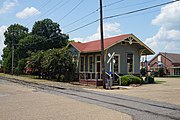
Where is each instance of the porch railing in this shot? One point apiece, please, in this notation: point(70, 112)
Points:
point(90, 75)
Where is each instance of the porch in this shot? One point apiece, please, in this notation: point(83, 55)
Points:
point(95, 78)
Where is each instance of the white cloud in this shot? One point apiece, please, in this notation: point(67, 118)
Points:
point(27, 12)
point(110, 29)
point(7, 6)
point(2, 30)
point(168, 36)
point(169, 17)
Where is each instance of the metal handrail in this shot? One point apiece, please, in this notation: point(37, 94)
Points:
point(108, 74)
point(119, 77)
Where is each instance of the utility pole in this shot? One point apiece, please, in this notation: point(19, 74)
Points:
point(12, 67)
point(102, 45)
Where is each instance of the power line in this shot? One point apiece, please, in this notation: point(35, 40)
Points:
point(71, 11)
point(83, 26)
point(50, 39)
point(122, 14)
point(113, 3)
point(108, 5)
point(139, 10)
point(82, 18)
point(122, 7)
point(147, 12)
point(52, 9)
point(40, 7)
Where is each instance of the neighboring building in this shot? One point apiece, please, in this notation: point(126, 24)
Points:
point(169, 61)
point(128, 50)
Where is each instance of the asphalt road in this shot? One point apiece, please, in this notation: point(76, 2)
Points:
point(138, 108)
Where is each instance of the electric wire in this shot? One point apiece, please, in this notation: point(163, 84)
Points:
point(83, 26)
point(40, 7)
point(49, 11)
point(108, 5)
point(55, 7)
point(71, 10)
point(122, 14)
point(122, 7)
point(139, 10)
point(81, 18)
point(112, 3)
point(50, 39)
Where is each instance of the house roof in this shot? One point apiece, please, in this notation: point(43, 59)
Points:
point(95, 46)
point(173, 57)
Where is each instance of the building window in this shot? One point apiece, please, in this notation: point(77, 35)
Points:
point(117, 64)
point(177, 71)
point(98, 58)
point(130, 62)
point(90, 63)
point(82, 64)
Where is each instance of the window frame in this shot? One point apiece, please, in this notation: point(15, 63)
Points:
point(89, 63)
point(117, 55)
point(83, 63)
point(132, 63)
point(97, 62)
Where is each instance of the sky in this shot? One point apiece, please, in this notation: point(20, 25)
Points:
point(159, 28)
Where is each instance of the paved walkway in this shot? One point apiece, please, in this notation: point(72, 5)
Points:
point(22, 103)
point(167, 90)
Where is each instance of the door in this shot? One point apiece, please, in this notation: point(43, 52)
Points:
point(98, 69)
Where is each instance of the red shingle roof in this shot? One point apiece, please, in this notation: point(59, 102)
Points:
point(95, 46)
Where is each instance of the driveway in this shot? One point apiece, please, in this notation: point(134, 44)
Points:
point(167, 90)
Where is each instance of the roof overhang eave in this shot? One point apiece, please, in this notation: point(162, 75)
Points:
point(74, 47)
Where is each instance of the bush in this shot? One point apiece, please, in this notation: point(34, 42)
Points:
point(20, 67)
point(149, 79)
point(154, 73)
point(143, 71)
point(124, 81)
point(130, 79)
point(161, 72)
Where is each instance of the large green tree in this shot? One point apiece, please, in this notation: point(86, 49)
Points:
point(13, 35)
point(36, 50)
point(53, 64)
point(51, 30)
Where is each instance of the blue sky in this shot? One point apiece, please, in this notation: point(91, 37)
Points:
point(159, 27)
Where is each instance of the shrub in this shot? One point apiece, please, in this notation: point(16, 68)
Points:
point(130, 79)
point(149, 79)
point(142, 81)
point(154, 73)
point(143, 71)
point(124, 80)
point(161, 72)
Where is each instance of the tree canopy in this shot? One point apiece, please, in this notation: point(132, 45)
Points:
point(51, 30)
point(52, 63)
point(36, 50)
point(14, 33)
